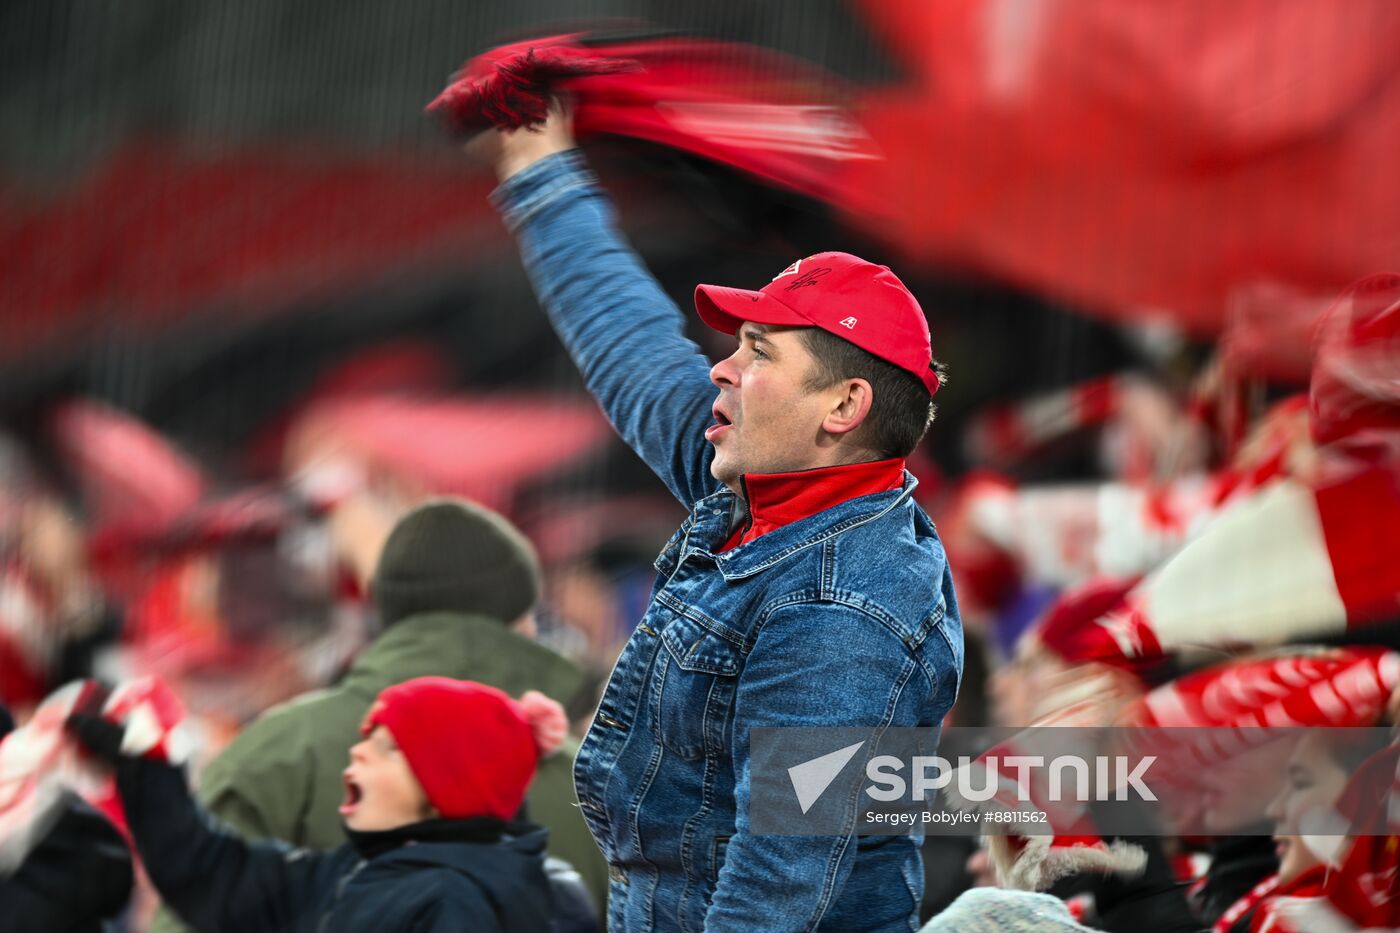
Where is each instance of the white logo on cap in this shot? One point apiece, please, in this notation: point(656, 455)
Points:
point(790, 270)
point(849, 323)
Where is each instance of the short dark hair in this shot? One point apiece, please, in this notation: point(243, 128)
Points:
point(901, 409)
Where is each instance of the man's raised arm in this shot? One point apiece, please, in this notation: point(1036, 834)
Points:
point(624, 334)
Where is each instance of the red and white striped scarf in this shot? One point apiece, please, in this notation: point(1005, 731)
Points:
point(39, 760)
point(1295, 560)
point(1337, 688)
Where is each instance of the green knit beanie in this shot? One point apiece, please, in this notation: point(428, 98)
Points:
point(449, 555)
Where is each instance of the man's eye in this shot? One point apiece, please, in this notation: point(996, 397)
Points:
point(759, 353)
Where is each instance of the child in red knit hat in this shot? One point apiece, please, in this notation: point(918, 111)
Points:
point(432, 795)
point(438, 747)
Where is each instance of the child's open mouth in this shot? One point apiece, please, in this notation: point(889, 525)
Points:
point(353, 795)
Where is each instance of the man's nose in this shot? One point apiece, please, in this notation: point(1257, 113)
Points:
point(724, 373)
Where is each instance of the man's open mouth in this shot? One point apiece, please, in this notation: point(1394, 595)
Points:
point(722, 422)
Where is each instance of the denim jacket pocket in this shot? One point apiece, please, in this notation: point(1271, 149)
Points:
point(693, 688)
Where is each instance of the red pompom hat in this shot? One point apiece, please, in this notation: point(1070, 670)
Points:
point(473, 749)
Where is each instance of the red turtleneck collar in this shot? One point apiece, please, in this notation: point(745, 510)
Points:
point(778, 499)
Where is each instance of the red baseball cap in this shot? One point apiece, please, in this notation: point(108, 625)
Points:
point(842, 294)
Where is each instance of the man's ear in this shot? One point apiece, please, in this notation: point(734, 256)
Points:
point(850, 407)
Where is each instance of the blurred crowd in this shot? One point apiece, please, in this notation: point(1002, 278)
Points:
point(1229, 569)
point(124, 555)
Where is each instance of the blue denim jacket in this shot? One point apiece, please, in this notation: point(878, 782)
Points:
point(845, 618)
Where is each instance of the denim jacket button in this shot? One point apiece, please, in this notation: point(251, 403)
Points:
point(615, 873)
point(611, 723)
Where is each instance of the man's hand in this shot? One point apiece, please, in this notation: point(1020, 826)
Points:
point(512, 151)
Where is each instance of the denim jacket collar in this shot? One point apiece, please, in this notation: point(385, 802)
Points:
point(710, 526)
